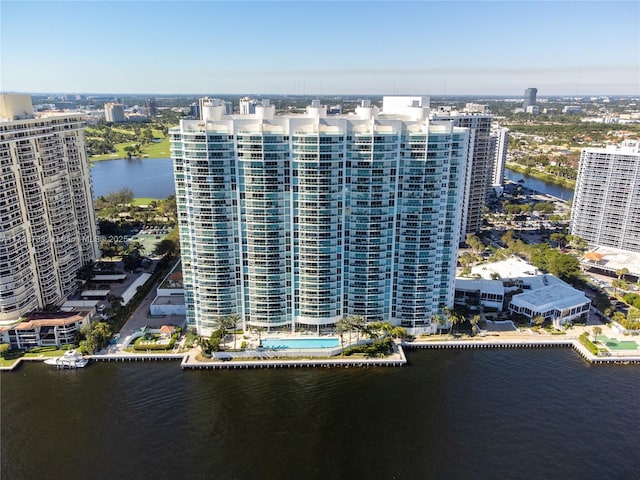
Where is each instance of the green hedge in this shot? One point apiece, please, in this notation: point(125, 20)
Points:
point(378, 348)
point(584, 340)
point(143, 347)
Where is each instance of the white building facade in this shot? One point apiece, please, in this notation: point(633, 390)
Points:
point(47, 220)
point(114, 112)
point(499, 144)
point(606, 205)
point(296, 221)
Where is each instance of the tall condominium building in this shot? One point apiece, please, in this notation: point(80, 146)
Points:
point(499, 143)
point(207, 102)
point(296, 221)
point(248, 105)
point(114, 112)
point(529, 98)
point(47, 221)
point(152, 108)
point(480, 167)
point(606, 205)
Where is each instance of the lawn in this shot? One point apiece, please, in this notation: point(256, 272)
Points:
point(144, 201)
point(151, 150)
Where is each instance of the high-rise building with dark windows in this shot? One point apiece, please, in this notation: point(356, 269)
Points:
point(529, 97)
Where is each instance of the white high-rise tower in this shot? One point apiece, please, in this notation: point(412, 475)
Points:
point(47, 220)
point(296, 221)
point(606, 205)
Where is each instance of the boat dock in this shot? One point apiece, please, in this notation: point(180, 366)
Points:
point(398, 360)
point(565, 342)
point(189, 361)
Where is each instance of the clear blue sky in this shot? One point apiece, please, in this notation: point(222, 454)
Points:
point(496, 48)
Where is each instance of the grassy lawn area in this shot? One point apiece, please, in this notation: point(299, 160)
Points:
point(13, 356)
point(7, 362)
point(119, 153)
point(152, 150)
point(49, 353)
point(158, 150)
point(144, 201)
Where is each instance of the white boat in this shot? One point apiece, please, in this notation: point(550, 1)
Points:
point(70, 359)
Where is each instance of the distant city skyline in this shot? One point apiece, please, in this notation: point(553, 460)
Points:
point(321, 48)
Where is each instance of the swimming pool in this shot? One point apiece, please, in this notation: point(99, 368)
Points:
point(300, 343)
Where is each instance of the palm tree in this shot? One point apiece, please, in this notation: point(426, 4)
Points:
point(454, 319)
point(619, 284)
point(259, 331)
point(622, 272)
point(226, 323)
point(439, 321)
point(358, 322)
point(450, 317)
point(597, 331)
point(231, 322)
point(342, 326)
point(474, 323)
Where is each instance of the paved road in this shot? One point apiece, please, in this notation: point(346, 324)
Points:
point(141, 318)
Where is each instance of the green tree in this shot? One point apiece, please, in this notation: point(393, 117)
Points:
point(474, 321)
point(439, 321)
point(95, 337)
point(232, 323)
point(559, 239)
point(226, 323)
point(622, 272)
point(618, 284)
point(474, 242)
point(596, 331)
point(342, 326)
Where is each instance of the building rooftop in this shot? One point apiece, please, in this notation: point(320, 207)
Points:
point(513, 267)
point(133, 288)
point(47, 319)
point(95, 293)
point(169, 300)
point(486, 286)
point(109, 278)
point(613, 259)
point(556, 297)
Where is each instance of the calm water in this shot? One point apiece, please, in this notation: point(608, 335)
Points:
point(525, 414)
point(153, 177)
point(147, 177)
point(539, 185)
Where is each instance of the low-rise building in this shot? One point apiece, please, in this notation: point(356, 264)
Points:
point(170, 294)
point(539, 294)
point(40, 329)
point(471, 291)
point(556, 303)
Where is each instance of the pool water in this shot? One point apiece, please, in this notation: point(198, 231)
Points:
point(304, 343)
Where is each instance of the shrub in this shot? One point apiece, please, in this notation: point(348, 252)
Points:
point(142, 347)
point(243, 344)
point(377, 348)
point(584, 340)
point(4, 348)
point(50, 348)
